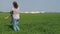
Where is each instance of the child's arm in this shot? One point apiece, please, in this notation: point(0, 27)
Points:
point(6, 17)
point(11, 12)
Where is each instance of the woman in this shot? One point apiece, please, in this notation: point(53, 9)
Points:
point(15, 16)
point(14, 13)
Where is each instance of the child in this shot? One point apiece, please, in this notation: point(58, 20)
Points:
point(14, 16)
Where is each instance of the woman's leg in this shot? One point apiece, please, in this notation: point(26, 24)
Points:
point(15, 26)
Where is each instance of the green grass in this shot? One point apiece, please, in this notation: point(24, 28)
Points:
point(32, 24)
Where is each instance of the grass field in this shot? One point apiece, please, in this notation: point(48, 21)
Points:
point(32, 24)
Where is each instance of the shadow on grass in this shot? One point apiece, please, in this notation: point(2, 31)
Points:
point(9, 27)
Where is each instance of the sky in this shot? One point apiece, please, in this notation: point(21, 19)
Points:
point(32, 5)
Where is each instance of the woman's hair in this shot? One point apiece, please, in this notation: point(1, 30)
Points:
point(15, 4)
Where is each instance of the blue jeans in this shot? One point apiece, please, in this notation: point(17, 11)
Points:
point(15, 24)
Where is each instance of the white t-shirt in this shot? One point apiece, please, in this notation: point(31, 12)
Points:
point(15, 13)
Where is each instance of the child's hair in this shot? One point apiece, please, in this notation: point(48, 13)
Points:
point(15, 4)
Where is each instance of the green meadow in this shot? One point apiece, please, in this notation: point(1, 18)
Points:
point(47, 23)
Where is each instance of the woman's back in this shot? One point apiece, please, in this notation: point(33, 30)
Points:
point(15, 13)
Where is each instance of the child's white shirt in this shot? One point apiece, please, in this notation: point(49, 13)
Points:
point(15, 13)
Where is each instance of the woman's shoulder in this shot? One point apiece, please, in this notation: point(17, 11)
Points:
point(15, 8)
